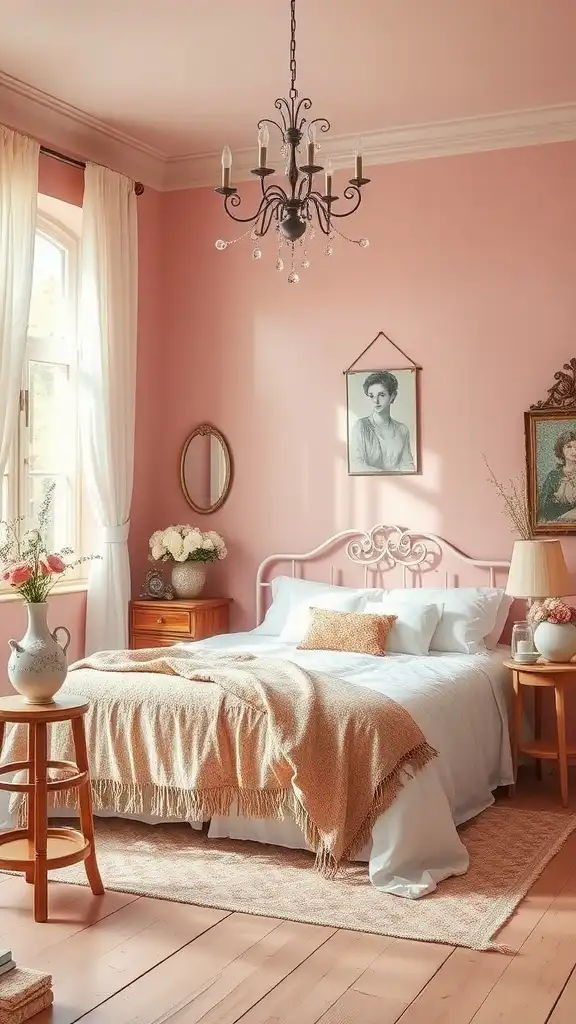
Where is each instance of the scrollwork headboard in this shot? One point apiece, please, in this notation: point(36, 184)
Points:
point(380, 550)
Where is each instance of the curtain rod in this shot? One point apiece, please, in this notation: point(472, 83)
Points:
point(138, 186)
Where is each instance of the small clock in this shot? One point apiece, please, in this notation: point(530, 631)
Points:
point(155, 587)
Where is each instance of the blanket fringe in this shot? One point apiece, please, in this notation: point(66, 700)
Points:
point(277, 804)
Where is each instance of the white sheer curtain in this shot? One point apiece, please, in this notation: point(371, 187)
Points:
point(108, 315)
point(18, 203)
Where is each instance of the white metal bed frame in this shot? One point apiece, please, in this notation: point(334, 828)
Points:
point(378, 550)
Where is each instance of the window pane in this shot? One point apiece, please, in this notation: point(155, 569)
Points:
point(50, 400)
point(47, 307)
point(52, 447)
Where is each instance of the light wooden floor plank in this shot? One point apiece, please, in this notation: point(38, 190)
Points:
point(72, 909)
point(462, 984)
point(390, 984)
point(529, 988)
point(310, 991)
point(201, 974)
point(93, 965)
point(565, 1009)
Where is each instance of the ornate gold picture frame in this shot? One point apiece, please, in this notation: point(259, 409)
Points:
point(550, 431)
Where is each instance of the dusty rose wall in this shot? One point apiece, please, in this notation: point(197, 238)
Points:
point(67, 183)
point(471, 270)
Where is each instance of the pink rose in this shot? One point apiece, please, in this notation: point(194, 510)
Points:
point(55, 563)
point(19, 574)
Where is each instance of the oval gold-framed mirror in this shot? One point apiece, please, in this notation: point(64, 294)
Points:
point(206, 469)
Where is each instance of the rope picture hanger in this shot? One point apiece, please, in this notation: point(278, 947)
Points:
point(394, 345)
point(383, 416)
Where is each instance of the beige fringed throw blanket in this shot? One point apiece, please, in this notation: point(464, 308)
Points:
point(186, 734)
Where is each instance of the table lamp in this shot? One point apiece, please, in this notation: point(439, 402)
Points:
point(537, 570)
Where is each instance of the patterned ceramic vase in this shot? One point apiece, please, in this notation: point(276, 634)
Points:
point(556, 641)
point(188, 579)
point(38, 666)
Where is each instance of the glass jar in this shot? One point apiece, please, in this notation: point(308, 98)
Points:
point(523, 649)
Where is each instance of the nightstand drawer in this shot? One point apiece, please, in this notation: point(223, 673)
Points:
point(145, 640)
point(162, 619)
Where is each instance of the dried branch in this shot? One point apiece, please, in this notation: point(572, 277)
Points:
point(514, 500)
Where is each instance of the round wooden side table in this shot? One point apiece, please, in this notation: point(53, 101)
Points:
point(558, 677)
point(36, 848)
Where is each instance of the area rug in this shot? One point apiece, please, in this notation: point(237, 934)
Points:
point(509, 848)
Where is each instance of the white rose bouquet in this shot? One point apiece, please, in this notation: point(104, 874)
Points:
point(186, 544)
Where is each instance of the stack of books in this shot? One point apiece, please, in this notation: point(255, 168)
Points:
point(6, 961)
point(23, 992)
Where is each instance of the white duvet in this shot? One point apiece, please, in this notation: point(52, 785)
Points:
point(460, 703)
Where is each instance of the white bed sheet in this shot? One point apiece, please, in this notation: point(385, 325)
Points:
point(460, 703)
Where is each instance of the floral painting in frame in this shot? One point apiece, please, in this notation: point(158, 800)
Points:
point(382, 419)
point(550, 428)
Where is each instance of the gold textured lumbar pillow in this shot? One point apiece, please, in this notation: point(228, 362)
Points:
point(347, 631)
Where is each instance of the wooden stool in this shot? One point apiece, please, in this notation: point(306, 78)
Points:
point(37, 848)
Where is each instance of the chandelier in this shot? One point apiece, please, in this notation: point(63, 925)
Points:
point(296, 211)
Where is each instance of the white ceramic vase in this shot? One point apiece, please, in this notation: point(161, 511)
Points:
point(38, 666)
point(188, 579)
point(556, 641)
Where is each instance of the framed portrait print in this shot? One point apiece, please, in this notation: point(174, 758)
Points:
point(551, 457)
point(382, 418)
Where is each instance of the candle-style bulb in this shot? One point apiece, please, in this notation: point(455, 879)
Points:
point(226, 166)
point(311, 144)
point(328, 177)
point(263, 140)
point(358, 154)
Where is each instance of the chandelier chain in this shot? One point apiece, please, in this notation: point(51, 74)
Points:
point(293, 89)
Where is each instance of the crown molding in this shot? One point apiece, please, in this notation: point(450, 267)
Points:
point(75, 133)
point(395, 145)
point(64, 127)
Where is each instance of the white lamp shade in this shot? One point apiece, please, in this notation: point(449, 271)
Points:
point(538, 569)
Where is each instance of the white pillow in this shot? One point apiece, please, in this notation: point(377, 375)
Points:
point(493, 638)
point(298, 621)
point(468, 615)
point(288, 591)
point(414, 627)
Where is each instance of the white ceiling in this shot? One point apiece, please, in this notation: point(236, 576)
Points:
point(178, 78)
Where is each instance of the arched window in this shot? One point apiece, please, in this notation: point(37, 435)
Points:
point(47, 447)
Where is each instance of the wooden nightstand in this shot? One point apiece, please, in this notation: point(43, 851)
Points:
point(558, 677)
point(163, 623)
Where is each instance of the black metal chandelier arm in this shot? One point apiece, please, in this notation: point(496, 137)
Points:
point(322, 122)
point(304, 104)
point(350, 192)
point(270, 120)
point(283, 106)
point(235, 200)
point(274, 191)
point(321, 212)
point(270, 211)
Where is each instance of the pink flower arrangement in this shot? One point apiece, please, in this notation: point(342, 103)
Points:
point(27, 565)
point(553, 609)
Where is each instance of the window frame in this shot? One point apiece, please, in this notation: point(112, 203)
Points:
point(63, 351)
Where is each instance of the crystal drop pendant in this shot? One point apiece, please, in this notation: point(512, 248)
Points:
point(305, 263)
point(328, 251)
point(279, 263)
point(221, 244)
point(364, 243)
point(256, 254)
point(293, 277)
